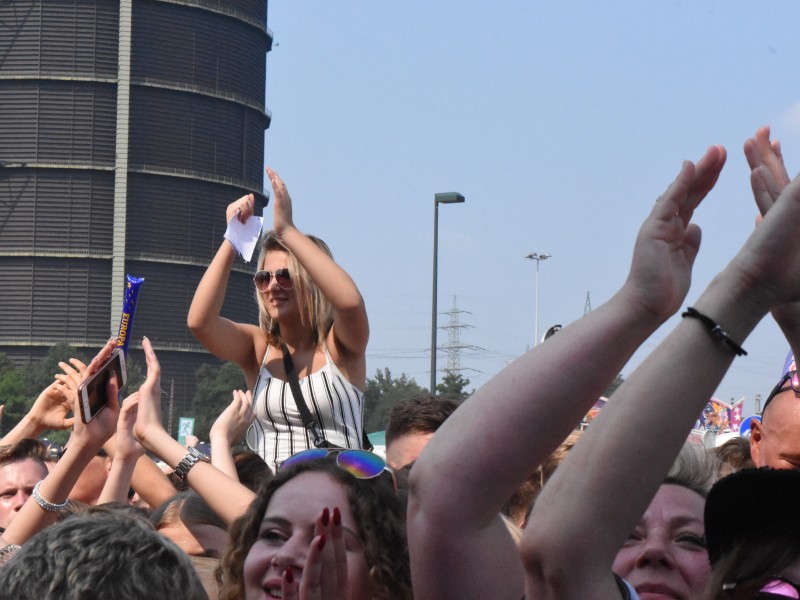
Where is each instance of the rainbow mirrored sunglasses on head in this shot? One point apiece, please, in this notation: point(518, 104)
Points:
point(282, 277)
point(775, 588)
point(361, 464)
point(794, 381)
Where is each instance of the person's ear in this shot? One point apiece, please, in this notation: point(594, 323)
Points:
point(756, 437)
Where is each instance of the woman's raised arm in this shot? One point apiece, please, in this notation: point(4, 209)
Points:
point(225, 339)
point(351, 328)
point(459, 547)
point(226, 496)
point(601, 489)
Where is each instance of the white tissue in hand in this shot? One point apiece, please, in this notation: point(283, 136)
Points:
point(244, 236)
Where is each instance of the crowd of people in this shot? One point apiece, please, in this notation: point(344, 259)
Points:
point(499, 497)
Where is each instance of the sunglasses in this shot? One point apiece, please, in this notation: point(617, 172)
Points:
point(262, 279)
point(361, 464)
point(793, 380)
point(775, 588)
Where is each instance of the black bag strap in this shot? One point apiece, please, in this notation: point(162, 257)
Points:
point(308, 420)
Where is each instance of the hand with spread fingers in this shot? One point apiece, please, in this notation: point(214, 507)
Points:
point(50, 411)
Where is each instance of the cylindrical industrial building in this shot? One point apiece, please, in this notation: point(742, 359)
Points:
point(126, 127)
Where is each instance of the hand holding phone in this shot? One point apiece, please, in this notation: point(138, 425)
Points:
point(93, 392)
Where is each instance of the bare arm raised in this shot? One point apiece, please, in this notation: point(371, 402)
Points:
point(241, 343)
point(350, 333)
point(592, 502)
point(459, 547)
point(768, 178)
point(226, 497)
point(84, 442)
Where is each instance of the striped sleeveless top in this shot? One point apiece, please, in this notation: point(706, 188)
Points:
point(336, 404)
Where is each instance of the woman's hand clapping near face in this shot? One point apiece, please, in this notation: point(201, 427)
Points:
point(324, 574)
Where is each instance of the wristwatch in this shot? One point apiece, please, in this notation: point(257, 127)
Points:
point(193, 456)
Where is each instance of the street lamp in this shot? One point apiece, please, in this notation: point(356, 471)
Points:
point(538, 258)
point(445, 198)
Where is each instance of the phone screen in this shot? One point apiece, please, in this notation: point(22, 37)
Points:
point(93, 392)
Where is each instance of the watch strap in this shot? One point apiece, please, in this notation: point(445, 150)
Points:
point(193, 456)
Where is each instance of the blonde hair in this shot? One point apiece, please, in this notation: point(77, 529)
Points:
point(315, 311)
point(695, 468)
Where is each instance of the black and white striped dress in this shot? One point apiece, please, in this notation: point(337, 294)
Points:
point(336, 404)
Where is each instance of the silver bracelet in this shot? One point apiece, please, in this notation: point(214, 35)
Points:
point(48, 506)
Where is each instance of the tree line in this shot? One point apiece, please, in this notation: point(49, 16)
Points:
point(21, 385)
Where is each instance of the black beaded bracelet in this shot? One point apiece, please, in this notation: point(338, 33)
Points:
point(717, 332)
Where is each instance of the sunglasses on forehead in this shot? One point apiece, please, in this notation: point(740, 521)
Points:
point(793, 380)
point(262, 279)
point(361, 464)
point(775, 588)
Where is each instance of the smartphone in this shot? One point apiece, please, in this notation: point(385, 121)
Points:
point(93, 393)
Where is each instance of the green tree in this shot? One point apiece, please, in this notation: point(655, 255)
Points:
point(382, 393)
point(42, 373)
point(13, 394)
point(215, 384)
point(618, 381)
point(452, 387)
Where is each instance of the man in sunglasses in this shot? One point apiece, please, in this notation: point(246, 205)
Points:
point(775, 441)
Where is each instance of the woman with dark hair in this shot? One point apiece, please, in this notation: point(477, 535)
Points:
point(309, 509)
point(323, 528)
point(310, 309)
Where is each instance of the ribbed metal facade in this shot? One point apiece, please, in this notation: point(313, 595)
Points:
point(125, 129)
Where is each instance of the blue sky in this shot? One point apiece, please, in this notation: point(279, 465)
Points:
point(560, 122)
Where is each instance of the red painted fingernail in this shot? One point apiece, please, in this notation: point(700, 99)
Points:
point(326, 517)
point(289, 574)
point(321, 543)
point(337, 516)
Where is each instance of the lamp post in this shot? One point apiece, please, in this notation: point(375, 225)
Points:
point(445, 198)
point(538, 258)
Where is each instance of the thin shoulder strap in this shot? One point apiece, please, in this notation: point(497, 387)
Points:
point(308, 420)
point(260, 371)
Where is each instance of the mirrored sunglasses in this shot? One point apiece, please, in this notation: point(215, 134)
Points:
point(262, 279)
point(361, 464)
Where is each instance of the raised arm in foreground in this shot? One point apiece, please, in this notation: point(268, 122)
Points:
point(241, 343)
point(459, 548)
point(348, 338)
point(226, 497)
point(768, 178)
point(597, 495)
point(85, 441)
